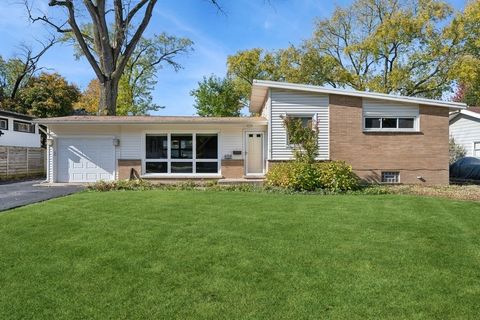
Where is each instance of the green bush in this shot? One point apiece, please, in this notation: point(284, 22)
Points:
point(337, 176)
point(301, 176)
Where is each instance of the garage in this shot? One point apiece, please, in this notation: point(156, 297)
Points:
point(85, 159)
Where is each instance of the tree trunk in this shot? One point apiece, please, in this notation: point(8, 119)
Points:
point(108, 97)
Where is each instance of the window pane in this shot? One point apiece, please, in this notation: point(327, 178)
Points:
point(156, 147)
point(23, 127)
point(390, 177)
point(371, 123)
point(181, 147)
point(181, 167)
point(389, 123)
point(156, 167)
point(207, 167)
point(406, 123)
point(305, 121)
point(207, 146)
point(4, 124)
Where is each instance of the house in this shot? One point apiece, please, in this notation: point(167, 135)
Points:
point(465, 129)
point(386, 138)
point(18, 130)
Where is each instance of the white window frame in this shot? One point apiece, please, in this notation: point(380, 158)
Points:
point(24, 123)
point(312, 116)
point(169, 158)
point(397, 173)
point(4, 120)
point(476, 148)
point(397, 129)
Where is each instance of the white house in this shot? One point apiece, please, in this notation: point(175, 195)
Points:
point(465, 129)
point(386, 138)
point(18, 130)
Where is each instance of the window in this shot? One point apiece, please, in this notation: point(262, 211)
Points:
point(181, 146)
point(181, 153)
point(390, 123)
point(23, 126)
point(476, 149)
point(3, 124)
point(391, 177)
point(306, 121)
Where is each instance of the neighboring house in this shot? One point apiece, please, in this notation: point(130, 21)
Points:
point(386, 138)
point(18, 130)
point(465, 129)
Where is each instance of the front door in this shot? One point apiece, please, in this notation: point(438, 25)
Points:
point(254, 164)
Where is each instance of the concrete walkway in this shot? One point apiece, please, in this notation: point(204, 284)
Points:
point(18, 194)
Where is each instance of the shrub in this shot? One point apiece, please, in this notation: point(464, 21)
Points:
point(337, 176)
point(456, 151)
point(121, 185)
point(295, 175)
point(300, 176)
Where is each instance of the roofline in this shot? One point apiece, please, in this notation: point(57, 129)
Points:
point(12, 114)
point(363, 94)
point(472, 114)
point(240, 120)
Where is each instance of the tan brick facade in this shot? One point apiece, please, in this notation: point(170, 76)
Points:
point(232, 169)
point(420, 157)
point(128, 169)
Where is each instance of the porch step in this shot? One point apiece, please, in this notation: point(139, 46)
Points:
point(256, 181)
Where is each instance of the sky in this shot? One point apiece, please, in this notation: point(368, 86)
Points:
point(243, 24)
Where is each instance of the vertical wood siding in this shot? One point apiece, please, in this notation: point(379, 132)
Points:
point(284, 102)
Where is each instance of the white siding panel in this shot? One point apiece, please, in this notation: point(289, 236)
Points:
point(465, 130)
point(231, 140)
point(382, 108)
point(284, 102)
point(130, 144)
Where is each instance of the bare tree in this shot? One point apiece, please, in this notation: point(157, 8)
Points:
point(29, 64)
point(114, 40)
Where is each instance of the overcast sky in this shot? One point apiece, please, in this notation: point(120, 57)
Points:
point(245, 24)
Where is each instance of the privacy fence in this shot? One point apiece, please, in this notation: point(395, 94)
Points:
point(21, 162)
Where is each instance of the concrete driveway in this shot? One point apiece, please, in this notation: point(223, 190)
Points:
point(18, 194)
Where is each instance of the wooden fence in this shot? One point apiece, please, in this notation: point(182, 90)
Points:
point(20, 162)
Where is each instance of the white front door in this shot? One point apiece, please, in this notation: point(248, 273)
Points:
point(85, 159)
point(254, 147)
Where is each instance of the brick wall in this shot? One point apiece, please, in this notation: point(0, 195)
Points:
point(128, 169)
point(232, 169)
point(420, 154)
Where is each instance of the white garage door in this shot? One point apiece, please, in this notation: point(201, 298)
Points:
point(85, 159)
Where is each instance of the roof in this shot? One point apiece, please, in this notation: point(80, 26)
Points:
point(151, 120)
point(473, 112)
point(260, 90)
point(11, 114)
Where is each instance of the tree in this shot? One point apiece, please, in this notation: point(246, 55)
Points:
point(403, 47)
point(48, 95)
point(217, 97)
point(16, 71)
point(390, 46)
point(456, 151)
point(139, 79)
point(466, 25)
point(89, 99)
point(114, 37)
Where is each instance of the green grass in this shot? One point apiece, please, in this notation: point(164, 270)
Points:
point(232, 255)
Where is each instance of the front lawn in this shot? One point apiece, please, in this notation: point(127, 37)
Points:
point(232, 255)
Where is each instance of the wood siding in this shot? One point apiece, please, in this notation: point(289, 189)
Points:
point(465, 130)
point(285, 102)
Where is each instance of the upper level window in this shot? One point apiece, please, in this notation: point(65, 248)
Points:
point(389, 123)
point(23, 126)
point(3, 124)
